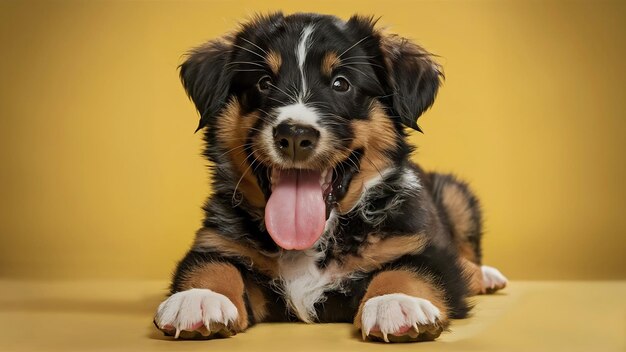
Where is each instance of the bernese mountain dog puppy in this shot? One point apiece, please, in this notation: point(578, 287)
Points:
point(316, 213)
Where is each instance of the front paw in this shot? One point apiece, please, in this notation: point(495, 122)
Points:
point(400, 318)
point(493, 280)
point(196, 313)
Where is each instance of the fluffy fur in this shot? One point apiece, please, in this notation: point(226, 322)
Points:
point(400, 251)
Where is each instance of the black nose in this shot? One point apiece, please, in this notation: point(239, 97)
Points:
point(296, 142)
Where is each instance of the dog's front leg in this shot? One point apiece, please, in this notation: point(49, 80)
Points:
point(400, 305)
point(207, 299)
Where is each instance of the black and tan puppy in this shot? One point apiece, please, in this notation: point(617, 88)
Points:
point(317, 214)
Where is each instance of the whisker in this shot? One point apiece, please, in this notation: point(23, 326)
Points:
point(264, 118)
point(359, 57)
point(250, 51)
point(253, 63)
point(258, 47)
point(251, 70)
point(277, 100)
point(293, 90)
point(241, 178)
point(319, 103)
point(344, 64)
point(353, 45)
point(282, 91)
point(232, 149)
point(361, 72)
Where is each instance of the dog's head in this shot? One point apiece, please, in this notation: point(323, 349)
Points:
point(304, 110)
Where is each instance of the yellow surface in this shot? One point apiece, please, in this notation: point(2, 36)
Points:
point(102, 178)
point(116, 316)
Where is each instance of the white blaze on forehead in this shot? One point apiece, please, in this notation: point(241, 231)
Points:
point(301, 51)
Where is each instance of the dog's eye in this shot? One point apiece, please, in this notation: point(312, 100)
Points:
point(341, 84)
point(264, 84)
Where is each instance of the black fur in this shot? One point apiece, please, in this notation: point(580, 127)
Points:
point(205, 80)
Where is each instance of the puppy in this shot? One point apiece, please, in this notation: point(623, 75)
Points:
point(317, 214)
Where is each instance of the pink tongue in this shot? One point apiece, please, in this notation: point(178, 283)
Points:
point(295, 214)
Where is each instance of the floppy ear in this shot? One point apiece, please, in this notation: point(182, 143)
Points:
point(414, 78)
point(206, 79)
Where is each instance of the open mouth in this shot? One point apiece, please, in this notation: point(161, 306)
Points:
point(300, 201)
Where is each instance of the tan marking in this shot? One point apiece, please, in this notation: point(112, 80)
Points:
point(206, 238)
point(473, 274)
point(466, 250)
point(460, 214)
point(376, 136)
point(458, 208)
point(408, 283)
point(233, 128)
point(329, 63)
point(274, 61)
point(224, 279)
point(258, 303)
point(377, 252)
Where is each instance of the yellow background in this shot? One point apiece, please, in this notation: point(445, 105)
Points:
point(101, 175)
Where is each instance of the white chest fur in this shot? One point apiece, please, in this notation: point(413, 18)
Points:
point(304, 283)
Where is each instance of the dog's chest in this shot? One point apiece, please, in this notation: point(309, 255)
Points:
point(304, 283)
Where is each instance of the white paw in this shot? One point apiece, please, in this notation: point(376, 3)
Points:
point(397, 314)
point(196, 309)
point(493, 279)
